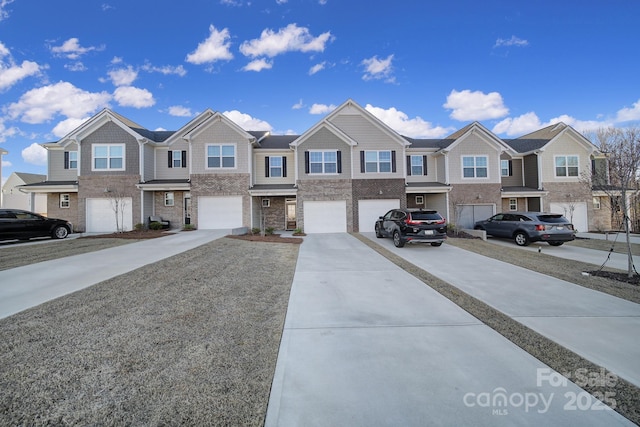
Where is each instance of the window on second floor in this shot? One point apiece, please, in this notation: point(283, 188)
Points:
point(566, 166)
point(506, 168)
point(377, 161)
point(177, 159)
point(475, 167)
point(416, 165)
point(322, 162)
point(221, 156)
point(71, 160)
point(108, 157)
point(275, 166)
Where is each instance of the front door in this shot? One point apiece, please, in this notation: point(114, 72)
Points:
point(290, 205)
point(187, 208)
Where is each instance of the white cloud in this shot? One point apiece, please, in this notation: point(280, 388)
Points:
point(166, 69)
point(401, 123)
point(11, 74)
point(180, 111)
point(35, 154)
point(42, 104)
point(629, 113)
point(76, 66)
point(214, 48)
point(3, 9)
point(3, 50)
point(378, 69)
point(298, 105)
point(530, 122)
point(467, 105)
point(258, 65)
point(6, 164)
point(6, 132)
point(66, 126)
point(247, 122)
point(123, 76)
point(71, 49)
point(129, 96)
point(289, 39)
point(513, 41)
point(321, 108)
point(316, 68)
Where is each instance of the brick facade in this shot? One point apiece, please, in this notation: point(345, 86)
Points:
point(105, 187)
point(376, 189)
point(323, 190)
point(70, 214)
point(221, 185)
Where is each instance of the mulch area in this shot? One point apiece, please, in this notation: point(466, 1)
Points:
point(621, 277)
point(269, 238)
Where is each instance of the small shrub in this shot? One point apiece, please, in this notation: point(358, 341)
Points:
point(255, 231)
point(155, 226)
point(139, 226)
point(297, 231)
point(188, 227)
point(269, 230)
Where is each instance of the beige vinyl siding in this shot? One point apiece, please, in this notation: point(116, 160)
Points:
point(441, 171)
point(564, 146)
point(110, 133)
point(324, 140)
point(219, 133)
point(473, 145)
point(370, 138)
point(259, 167)
point(163, 171)
point(57, 172)
point(432, 168)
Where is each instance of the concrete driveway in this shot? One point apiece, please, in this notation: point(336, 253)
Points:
point(367, 344)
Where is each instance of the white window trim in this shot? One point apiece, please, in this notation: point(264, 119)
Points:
point(76, 160)
point(173, 158)
point(502, 170)
point(566, 157)
point(515, 204)
point(323, 162)
point(596, 202)
point(475, 156)
point(421, 157)
point(378, 161)
point(172, 199)
point(271, 167)
point(107, 169)
point(419, 200)
point(235, 156)
point(67, 201)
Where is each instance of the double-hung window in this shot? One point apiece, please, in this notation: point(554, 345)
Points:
point(475, 167)
point(108, 157)
point(221, 156)
point(71, 160)
point(505, 168)
point(323, 162)
point(417, 167)
point(566, 166)
point(275, 166)
point(169, 199)
point(377, 161)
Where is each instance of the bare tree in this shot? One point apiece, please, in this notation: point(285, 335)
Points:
point(119, 200)
point(620, 179)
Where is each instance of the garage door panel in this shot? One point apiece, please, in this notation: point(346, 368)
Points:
point(101, 216)
point(221, 212)
point(370, 210)
point(578, 217)
point(325, 216)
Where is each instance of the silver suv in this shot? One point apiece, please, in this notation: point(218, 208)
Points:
point(527, 227)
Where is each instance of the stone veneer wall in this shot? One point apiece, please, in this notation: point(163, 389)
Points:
point(70, 214)
point(324, 190)
point(221, 185)
point(368, 189)
point(93, 186)
point(564, 192)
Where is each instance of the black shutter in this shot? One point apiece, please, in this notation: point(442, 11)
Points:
point(284, 166)
point(306, 162)
point(510, 168)
point(424, 165)
point(66, 160)
point(339, 160)
point(184, 158)
point(362, 162)
point(393, 160)
point(266, 167)
point(408, 165)
point(170, 159)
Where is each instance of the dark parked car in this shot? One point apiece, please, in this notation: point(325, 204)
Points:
point(412, 226)
point(23, 225)
point(527, 227)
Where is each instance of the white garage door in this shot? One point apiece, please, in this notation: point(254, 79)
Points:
point(579, 216)
point(325, 216)
point(370, 210)
point(101, 215)
point(219, 212)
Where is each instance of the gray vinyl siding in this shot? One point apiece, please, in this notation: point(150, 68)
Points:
point(57, 172)
point(531, 178)
point(259, 167)
point(149, 162)
point(163, 171)
point(473, 145)
point(515, 180)
point(219, 133)
point(110, 133)
point(324, 139)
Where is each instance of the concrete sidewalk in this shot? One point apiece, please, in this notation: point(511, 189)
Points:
point(31, 285)
point(367, 344)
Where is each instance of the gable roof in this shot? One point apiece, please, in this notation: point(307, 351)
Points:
point(323, 124)
point(476, 127)
point(30, 178)
point(539, 139)
point(93, 123)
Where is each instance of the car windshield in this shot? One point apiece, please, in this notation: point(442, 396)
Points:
point(553, 218)
point(425, 216)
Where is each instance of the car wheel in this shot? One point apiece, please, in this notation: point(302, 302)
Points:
point(521, 238)
point(378, 233)
point(556, 243)
point(397, 240)
point(60, 232)
point(436, 243)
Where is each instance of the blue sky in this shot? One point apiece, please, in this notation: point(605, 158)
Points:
point(426, 68)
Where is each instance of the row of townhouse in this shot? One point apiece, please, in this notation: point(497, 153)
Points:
point(338, 176)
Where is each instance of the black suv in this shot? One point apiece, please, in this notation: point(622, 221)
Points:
point(412, 226)
point(23, 225)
